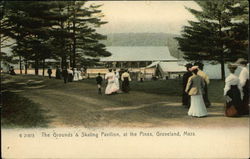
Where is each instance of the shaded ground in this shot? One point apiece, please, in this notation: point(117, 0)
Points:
point(51, 103)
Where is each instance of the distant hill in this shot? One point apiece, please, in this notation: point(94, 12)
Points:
point(145, 39)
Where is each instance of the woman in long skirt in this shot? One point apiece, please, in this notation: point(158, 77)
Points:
point(117, 76)
point(111, 86)
point(195, 88)
point(233, 93)
point(125, 81)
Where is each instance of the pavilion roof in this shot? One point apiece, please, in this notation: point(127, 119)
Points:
point(138, 53)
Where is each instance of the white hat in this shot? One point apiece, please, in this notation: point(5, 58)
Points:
point(193, 68)
point(241, 61)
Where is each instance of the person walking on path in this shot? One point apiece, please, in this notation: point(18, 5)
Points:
point(111, 85)
point(65, 75)
point(233, 93)
point(12, 71)
point(206, 80)
point(75, 74)
point(185, 96)
point(117, 77)
point(195, 88)
point(141, 76)
point(99, 83)
point(58, 73)
point(244, 82)
point(49, 71)
point(70, 75)
point(125, 81)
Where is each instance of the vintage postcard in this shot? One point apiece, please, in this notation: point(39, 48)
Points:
point(124, 79)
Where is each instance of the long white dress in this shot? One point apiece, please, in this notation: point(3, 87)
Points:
point(117, 80)
point(197, 106)
point(75, 75)
point(79, 73)
point(111, 87)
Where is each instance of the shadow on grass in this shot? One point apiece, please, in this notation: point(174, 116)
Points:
point(21, 84)
point(18, 111)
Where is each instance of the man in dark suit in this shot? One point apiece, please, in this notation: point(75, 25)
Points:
point(65, 74)
point(185, 96)
point(49, 72)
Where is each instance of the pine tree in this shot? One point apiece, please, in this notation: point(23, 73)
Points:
point(54, 29)
point(85, 40)
point(31, 24)
point(5, 28)
point(215, 36)
point(60, 34)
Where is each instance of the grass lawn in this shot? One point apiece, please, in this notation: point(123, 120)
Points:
point(35, 101)
point(172, 89)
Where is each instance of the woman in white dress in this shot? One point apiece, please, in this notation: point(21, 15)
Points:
point(111, 87)
point(195, 88)
point(75, 75)
point(117, 79)
point(79, 73)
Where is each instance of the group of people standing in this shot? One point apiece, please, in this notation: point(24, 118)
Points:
point(68, 75)
point(236, 91)
point(113, 79)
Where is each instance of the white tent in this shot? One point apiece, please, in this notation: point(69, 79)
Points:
point(168, 69)
point(171, 67)
point(168, 66)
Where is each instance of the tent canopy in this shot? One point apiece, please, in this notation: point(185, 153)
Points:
point(168, 66)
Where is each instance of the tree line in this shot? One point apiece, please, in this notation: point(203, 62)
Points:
point(60, 30)
point(219, 34)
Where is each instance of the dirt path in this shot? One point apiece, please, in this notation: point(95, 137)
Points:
point(77, 104)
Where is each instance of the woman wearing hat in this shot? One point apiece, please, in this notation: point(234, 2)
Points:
point(244, 82)
point(206, 80)
point(125, 81)
point(233, 93)
point(195, 88)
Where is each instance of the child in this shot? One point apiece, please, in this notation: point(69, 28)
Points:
point(99, 83)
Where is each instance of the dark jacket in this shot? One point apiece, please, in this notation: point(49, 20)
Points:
point(99, 80)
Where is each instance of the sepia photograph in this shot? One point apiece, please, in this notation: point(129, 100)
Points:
point(125, 79)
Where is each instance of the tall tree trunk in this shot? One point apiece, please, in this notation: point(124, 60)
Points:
point(20, 65)
point(74, 42)
point(36, 67)
point(222, 62)
point(70, 61)
point(43, 66)
point(63, 62)
point(26, 67)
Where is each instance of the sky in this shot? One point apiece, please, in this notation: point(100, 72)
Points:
point(145, 16)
